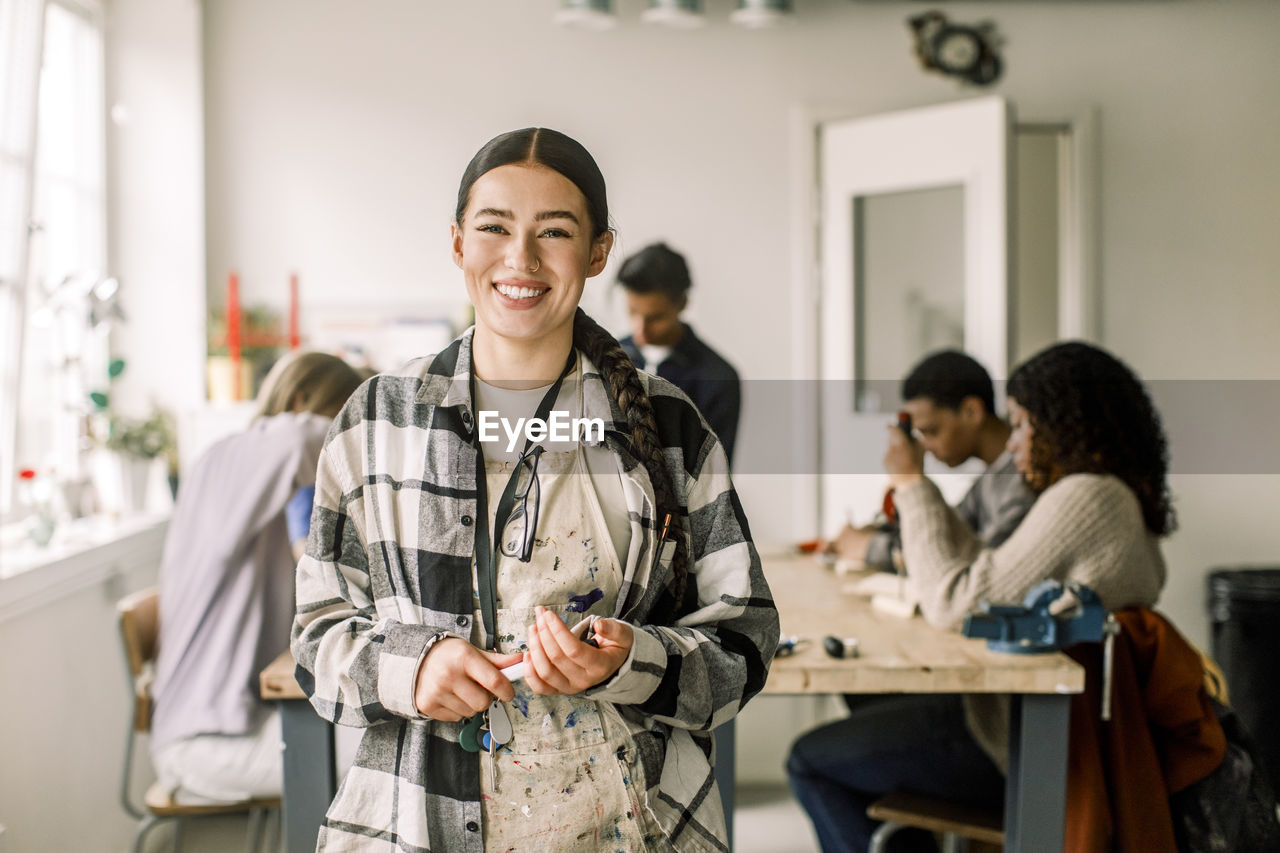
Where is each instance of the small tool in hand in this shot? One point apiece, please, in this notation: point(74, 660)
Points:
point(840, 648)
point(584, 630)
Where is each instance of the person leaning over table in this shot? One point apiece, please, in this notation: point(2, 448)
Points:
point(951, 401)
point(226, 588)
point(1088, 440)
point(408, 606)
point(297, 512)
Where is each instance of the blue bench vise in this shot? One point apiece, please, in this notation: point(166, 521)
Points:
point(1052, 617)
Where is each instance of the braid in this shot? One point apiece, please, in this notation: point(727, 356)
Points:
point(629, 394)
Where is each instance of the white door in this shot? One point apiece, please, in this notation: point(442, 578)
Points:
point(914, 256)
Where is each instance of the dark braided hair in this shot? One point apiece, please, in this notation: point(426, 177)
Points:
point(624, 385)
point(554, 150)
point(1091, 414)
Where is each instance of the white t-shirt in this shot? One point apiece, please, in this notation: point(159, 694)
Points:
point(602, 466)
point(653, 356)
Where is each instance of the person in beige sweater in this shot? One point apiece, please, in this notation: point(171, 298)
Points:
point(1088, 440)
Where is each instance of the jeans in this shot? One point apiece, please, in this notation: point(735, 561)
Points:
point(916, 743)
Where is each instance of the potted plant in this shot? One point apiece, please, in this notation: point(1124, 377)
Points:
point(138, 443)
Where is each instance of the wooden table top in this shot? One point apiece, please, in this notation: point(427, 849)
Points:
point(897, 655)
point(277, 681)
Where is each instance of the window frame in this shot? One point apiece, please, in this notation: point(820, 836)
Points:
point(15, 291)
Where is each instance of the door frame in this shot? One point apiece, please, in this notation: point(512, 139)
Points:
point(1079, 308)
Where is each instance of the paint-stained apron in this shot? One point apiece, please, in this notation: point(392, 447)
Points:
point(564, 782)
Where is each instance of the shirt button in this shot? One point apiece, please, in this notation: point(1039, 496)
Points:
point(466, 521)
point(472, 826)
point(462, 621)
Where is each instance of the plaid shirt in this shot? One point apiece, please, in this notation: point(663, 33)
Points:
point(388, 565)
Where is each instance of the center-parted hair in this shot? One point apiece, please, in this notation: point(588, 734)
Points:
point(540, 146)
point(1091, 414)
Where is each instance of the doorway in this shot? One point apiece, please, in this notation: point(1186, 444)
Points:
point(954, 226)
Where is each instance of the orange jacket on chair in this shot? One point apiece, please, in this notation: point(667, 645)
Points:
point(1163, 736)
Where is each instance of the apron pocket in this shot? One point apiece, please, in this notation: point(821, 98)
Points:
point(577, 801)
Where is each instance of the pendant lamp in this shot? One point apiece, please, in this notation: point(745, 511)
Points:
point(586, 14)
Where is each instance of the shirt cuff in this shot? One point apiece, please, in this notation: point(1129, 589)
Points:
point(917, 495)
point(400, 658)
point(640, 674)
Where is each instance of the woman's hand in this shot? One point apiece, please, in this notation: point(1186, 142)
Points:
point(904, 460)
point(457, 680)
point(558, 662)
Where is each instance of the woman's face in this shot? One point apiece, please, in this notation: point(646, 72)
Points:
point(1020, 439)
point(525, 248)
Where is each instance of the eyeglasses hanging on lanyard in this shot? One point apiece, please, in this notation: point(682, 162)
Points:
point(516, 518)
point(519, 531)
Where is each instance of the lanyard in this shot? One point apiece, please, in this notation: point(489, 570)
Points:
point(486, 546)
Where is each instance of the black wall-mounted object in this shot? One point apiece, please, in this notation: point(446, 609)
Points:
point(957, 50)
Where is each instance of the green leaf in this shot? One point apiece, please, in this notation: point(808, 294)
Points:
point(99, 399)
point(115, 368)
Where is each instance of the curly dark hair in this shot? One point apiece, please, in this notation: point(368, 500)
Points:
point(1091, 414)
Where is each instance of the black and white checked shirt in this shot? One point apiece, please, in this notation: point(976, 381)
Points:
point(388, 565)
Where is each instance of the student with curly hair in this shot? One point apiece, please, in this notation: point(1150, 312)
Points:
point(1088, 440)
point(438, 557)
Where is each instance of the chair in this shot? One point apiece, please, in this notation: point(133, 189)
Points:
point(139, 630)
point(957, 823)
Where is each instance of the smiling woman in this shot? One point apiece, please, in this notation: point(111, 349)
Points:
point(437, 559)
point(525, 245)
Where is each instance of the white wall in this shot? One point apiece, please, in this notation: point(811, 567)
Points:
point(68, 701)
point(336, 132)
point(156, 190)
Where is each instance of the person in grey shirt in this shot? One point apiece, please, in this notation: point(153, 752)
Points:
point(227, 589)
point(951, 401)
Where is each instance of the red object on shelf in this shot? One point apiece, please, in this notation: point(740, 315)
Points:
point(236, 339)
point(233, 333)
point(294, 338)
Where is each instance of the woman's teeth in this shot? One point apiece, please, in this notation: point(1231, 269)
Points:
point(518, 292)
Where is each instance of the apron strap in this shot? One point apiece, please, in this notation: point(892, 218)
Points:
point(487, 545)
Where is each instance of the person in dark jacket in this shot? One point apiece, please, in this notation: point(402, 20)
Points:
point(657, 283)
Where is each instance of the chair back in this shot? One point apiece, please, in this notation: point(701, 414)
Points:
point(139, 630)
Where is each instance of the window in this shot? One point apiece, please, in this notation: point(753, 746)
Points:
point(52, 233)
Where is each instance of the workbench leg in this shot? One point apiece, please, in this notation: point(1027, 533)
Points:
point(726, 766)
point(1035, 810)
point(310, 779)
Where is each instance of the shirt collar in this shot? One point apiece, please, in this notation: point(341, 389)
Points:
point(448, 379)
point(447, 383)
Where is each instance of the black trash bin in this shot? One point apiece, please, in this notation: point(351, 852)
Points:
point(1244, 612)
